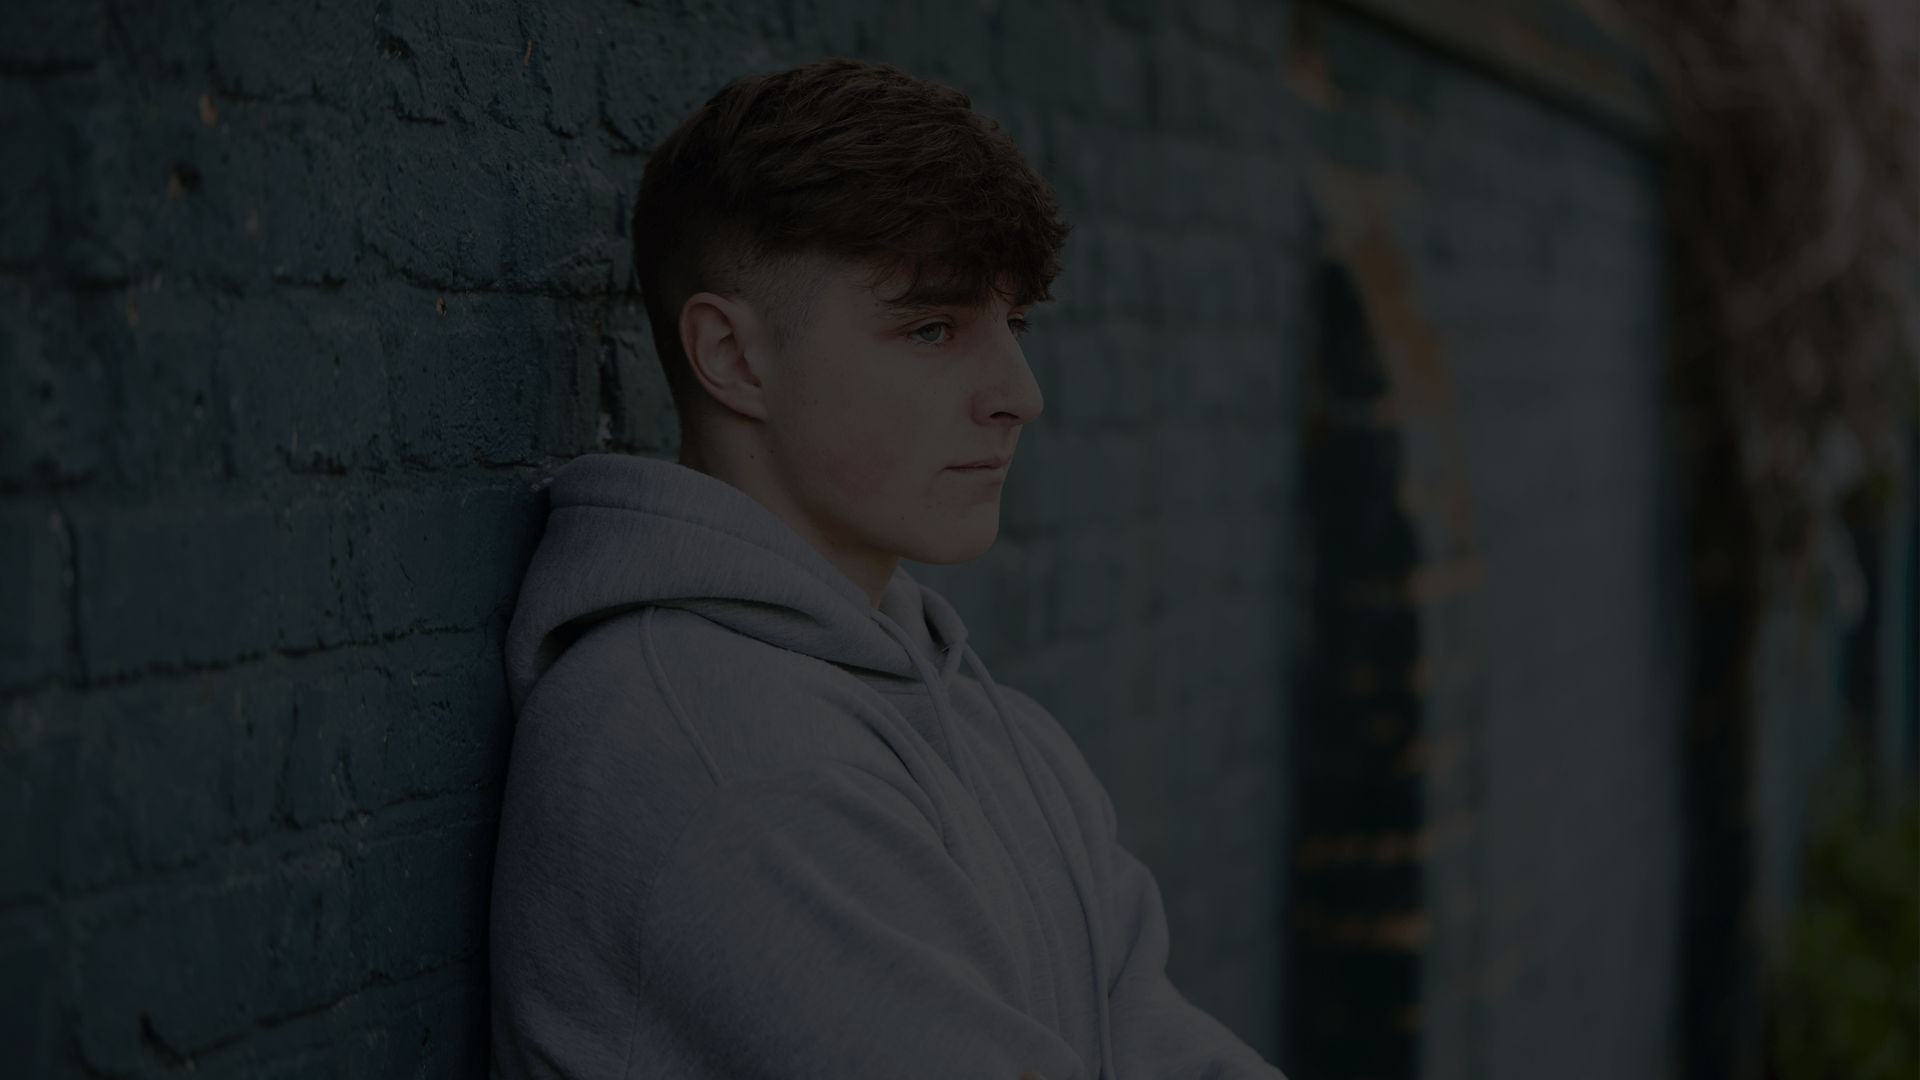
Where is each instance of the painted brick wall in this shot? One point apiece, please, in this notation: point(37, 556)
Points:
point(301, 303)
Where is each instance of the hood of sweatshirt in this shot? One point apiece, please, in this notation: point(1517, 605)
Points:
point(630, 532)
point(886, 869)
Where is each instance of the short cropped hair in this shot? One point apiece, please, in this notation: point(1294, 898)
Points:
point(859, 163)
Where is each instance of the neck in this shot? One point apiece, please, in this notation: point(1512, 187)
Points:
point(743, 461)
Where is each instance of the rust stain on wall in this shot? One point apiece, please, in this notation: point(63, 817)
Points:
point(1357, 206)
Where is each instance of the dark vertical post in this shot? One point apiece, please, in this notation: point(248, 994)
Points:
point(1722, 1008)
point(1356, 905)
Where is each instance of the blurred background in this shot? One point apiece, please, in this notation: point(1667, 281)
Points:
point(1472, 531)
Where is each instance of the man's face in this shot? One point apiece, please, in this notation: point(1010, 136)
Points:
point(892, 428)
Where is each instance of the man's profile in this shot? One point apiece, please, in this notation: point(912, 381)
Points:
point(767, 814)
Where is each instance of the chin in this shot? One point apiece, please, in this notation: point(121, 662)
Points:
point(958, 541)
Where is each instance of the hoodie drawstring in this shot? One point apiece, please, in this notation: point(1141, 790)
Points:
point(1081, 886)
point(1083, 889)
point(927, 679)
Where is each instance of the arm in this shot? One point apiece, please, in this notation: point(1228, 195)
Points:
point(1157, 1033)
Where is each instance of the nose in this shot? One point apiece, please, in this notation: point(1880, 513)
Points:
point(1009, 395)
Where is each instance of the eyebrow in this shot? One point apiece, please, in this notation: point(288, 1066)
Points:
point(900, 310)
point(930, 301)
point(929, 296)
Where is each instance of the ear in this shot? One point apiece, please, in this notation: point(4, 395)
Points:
point(722, 340)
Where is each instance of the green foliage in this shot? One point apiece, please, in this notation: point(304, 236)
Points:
point(1847, 995)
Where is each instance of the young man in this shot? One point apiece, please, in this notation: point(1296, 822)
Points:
point(758, 822)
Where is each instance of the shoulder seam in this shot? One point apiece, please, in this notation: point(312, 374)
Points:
point(673, 701)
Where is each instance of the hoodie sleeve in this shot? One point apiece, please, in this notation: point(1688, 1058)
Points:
point(813, 925)
point(1157, 1033)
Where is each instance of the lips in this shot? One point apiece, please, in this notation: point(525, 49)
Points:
point(985, 464)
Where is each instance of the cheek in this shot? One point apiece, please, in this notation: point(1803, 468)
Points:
point(860, 458)
point(867, 439)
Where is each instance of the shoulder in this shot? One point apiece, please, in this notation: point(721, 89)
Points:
point(596, 743)
point(759, 709)
point(653, 720)
point(595, 702)
point(666, 690)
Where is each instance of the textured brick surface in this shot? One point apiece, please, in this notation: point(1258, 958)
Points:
point(300, 304)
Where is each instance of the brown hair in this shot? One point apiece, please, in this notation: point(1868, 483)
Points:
point(864, 164)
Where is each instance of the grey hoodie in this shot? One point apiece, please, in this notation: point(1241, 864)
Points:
point(755, 828)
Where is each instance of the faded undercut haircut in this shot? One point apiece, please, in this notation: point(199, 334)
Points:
point(861, 164)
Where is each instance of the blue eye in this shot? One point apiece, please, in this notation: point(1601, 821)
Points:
point(930, 334)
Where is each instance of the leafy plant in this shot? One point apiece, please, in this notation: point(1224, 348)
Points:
point(1847, 985)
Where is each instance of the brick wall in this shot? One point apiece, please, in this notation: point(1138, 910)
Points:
point(300, 304)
